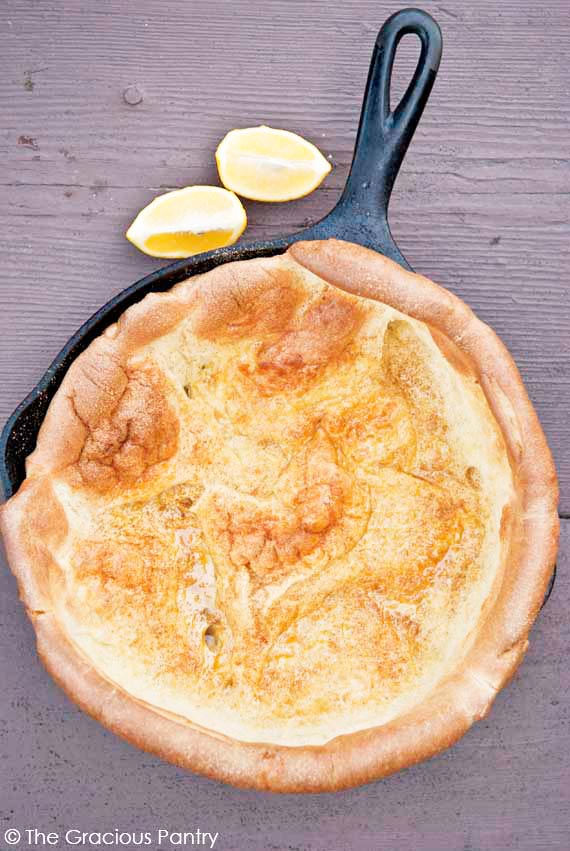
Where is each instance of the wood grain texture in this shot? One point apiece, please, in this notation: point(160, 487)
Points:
point(482, 206)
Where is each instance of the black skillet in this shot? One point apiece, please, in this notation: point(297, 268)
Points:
point(361, 216)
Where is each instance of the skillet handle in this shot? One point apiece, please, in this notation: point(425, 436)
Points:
point(384, 135)
point(361, 214)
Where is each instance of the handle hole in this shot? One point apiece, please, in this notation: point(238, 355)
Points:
point(405, 63)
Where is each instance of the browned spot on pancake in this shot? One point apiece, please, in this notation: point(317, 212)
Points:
point(265, 538)
point(142, 431)
point(266, 307)
point(269, 535)
point(322, 335)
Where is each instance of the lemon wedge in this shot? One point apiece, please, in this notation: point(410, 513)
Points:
point(188, 221)
point(265, 164)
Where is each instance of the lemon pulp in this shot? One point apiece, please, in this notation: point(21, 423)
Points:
point(184, 241)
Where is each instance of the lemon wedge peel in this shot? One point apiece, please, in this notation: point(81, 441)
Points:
point(188, 221)
point(266, 164)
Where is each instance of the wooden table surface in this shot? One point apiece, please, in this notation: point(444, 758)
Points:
point(106, 104)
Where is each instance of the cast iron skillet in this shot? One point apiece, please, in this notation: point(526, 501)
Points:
point(361, 216)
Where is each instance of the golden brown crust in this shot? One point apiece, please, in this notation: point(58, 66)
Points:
point(103, 387)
